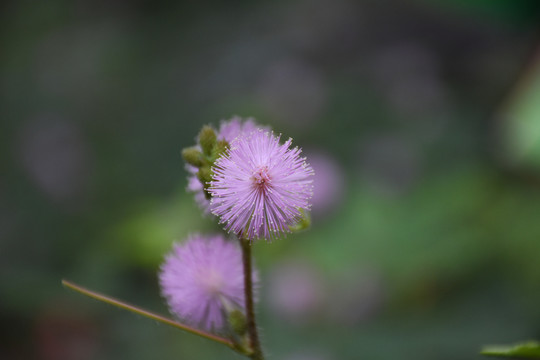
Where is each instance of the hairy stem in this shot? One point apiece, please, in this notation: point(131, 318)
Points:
point(254, 342)
point(148, 314)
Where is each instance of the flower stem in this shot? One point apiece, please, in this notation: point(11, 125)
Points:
point(254, 342)
point(148, 314)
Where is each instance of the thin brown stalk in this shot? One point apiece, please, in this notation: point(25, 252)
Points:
point(148, 314)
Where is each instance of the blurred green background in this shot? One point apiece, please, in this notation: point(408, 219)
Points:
point(421, 118)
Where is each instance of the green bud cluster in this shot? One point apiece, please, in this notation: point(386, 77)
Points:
point(212, 148)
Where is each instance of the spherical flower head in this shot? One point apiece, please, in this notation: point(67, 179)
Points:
point(202, 278)
point(259, 186)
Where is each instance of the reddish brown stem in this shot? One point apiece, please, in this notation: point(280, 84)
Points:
point(254, 342)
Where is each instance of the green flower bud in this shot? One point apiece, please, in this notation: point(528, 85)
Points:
point(205, 175)
point(193, 156)
point(207, 140)
point(238, 323)
point(220, 148)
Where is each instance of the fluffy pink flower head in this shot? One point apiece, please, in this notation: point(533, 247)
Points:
point(259, 186)
point(203, 277)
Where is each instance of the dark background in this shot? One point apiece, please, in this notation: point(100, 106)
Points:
point(421, 118)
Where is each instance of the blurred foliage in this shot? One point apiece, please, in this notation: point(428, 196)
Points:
point(521, 128)
point(430, 109)
point(529, 350)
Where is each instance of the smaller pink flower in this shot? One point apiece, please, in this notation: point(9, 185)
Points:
point(203, 277)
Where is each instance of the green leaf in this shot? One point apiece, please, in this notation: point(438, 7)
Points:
point(530, 350)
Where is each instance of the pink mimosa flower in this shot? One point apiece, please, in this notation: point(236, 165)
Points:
point(202, 278)
point(259, 186)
